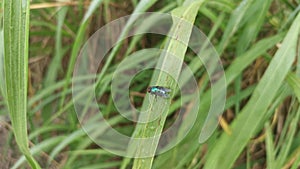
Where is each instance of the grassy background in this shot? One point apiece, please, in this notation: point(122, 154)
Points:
point(259, 45)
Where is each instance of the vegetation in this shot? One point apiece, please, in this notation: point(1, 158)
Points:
point(259, 47)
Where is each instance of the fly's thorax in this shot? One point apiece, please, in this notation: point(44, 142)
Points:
point(155, 89)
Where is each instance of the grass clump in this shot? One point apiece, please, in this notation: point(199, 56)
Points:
point(259, 47)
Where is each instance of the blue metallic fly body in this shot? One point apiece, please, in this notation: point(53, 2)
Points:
point(159, 91)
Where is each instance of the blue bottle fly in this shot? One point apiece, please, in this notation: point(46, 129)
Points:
point(159, 91)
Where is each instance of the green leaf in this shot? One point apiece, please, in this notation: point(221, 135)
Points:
point(181, 30)
point(16, 32)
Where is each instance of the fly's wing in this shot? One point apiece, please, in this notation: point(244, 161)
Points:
point(166, 92)
point(165, 89)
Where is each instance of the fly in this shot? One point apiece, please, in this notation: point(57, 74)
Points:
point(159, 91)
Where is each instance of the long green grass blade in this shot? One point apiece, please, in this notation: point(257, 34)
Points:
point(16, 32)
point(181, 30)
point(227, 148)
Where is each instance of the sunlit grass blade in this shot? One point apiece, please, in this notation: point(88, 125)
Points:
point(16, 33)
point(186, 14)
point(227, 148)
